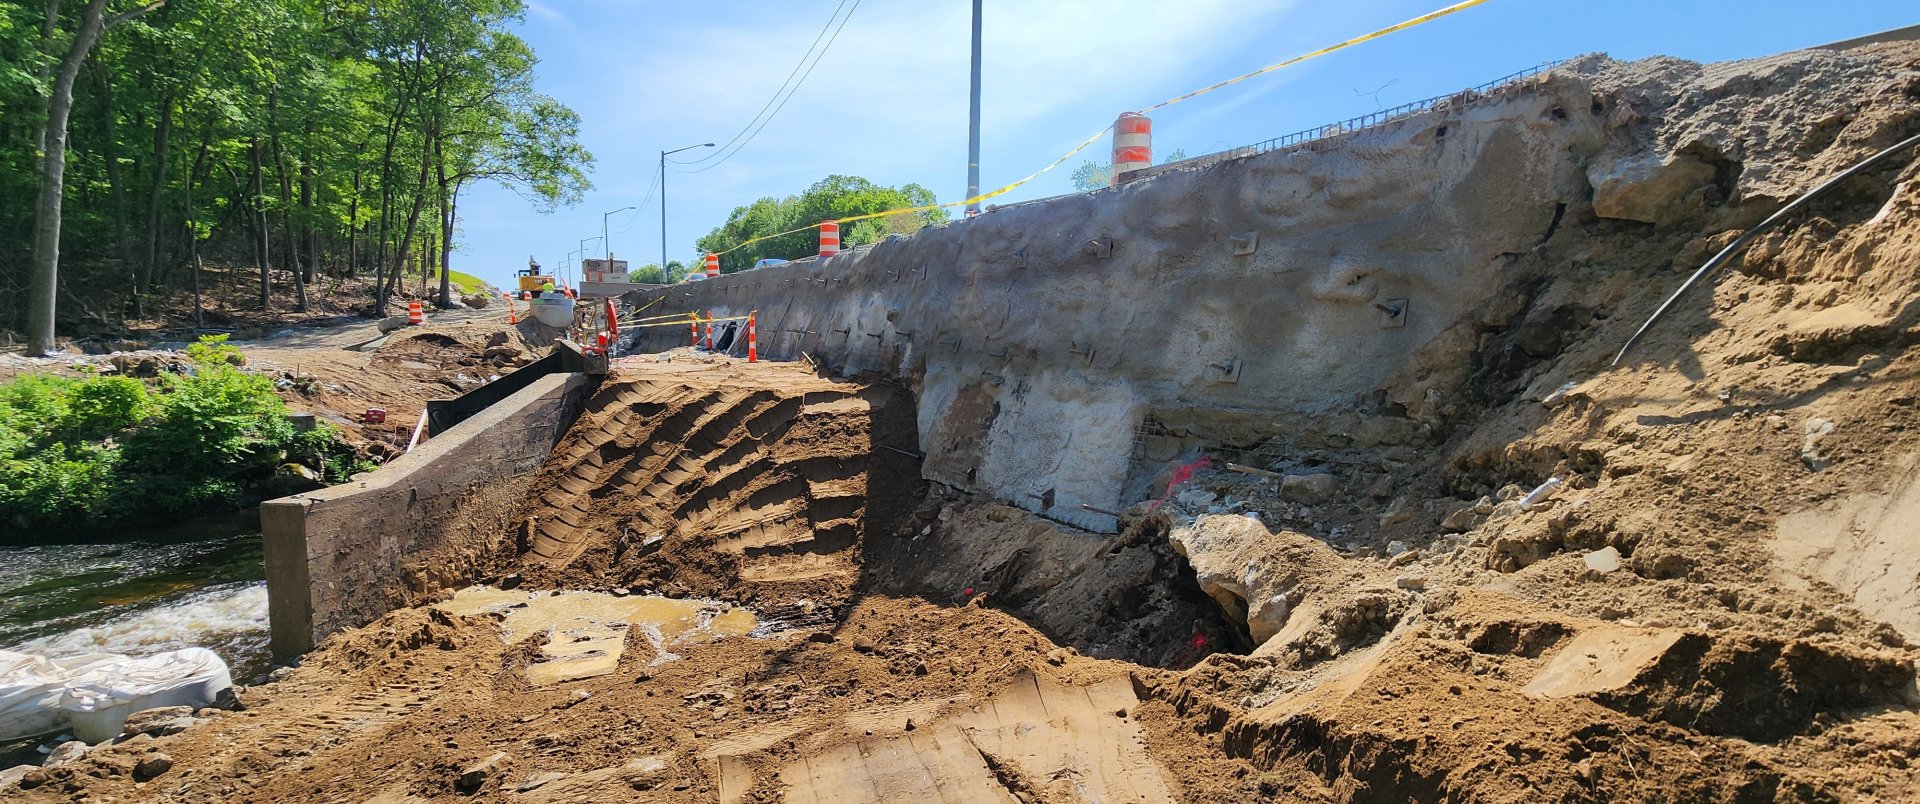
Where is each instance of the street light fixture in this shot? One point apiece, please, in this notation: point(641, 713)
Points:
point(663, 200)
point(604, 241)
point(583, 254)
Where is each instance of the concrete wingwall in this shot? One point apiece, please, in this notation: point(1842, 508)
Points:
point(343, 556)
point(1230, 301)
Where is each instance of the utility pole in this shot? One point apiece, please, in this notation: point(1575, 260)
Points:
point(973, 121)
point(663, 201)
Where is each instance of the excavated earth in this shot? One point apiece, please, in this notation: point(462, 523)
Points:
point(1721, 602)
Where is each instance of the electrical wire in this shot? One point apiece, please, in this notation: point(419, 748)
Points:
point(783, 102)
point(776, 93)
point(640, 207)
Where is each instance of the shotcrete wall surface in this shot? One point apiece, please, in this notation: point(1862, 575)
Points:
point(1041, 336)
point(342, 556)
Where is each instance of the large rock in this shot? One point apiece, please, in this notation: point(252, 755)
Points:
point(66, 752)
point(1647, 188)
point(1255, 575)
point(1308, 489)
point(160, 721)
point(477, 301)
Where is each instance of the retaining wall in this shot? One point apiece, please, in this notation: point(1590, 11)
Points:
point(342, 556)
point(1233, 300)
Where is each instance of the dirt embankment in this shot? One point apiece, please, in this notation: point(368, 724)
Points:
point(1717, 605)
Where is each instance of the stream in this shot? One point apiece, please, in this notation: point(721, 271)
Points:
point(202, 586)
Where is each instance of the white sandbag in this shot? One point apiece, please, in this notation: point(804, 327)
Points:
point(98, 701)
point(30, 689)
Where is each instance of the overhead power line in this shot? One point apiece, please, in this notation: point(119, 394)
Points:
point(776, 93)
point(720, 157)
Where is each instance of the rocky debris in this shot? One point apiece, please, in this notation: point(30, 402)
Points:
point(1648, 188)
point(1813, 431)
point(477, 301)
point(1603, 560)
point(1308, 489)
point(66, 752)
point(160, 721)
point(538, 780)
point(10, 778)
point(474, 776)
point(391, 323)
point(152, 765)
point(1258, 577)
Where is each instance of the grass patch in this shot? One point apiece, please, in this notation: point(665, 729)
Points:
point(468, 282)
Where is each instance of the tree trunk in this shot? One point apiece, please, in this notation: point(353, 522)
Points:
point(116, 188)
point(193, 229)
point(311, 245)
point(257, 215)
point(160, 133)
point(286, 201)
point(353, 227)
point(446, 241)
point(43, 293)
point(413, 219)
point(446, 226)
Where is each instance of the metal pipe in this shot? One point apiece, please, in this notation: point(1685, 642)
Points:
point(1765, 226)
point(973, 120)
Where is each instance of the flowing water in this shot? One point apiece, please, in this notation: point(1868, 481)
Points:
point(140, 597)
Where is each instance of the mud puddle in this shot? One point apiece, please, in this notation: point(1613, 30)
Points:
point(588, 633)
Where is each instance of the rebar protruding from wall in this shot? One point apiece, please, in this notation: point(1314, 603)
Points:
point(953, 342)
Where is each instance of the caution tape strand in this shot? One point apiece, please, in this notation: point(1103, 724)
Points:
point(1391, 29)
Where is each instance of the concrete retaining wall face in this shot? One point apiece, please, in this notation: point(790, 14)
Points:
point(1041, 335)
point(343, 556)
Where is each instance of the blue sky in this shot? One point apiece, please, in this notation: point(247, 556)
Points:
point(889, 99)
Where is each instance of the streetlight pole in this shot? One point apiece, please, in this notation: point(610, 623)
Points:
point(663, 201)
point(604, 241)
point(973, 121)
point(583, 255)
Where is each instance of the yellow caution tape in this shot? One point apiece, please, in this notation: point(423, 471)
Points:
point(683, 322)
point(1424, 18)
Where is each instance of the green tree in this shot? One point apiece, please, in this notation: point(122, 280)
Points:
point(1091, 175)
point(835, 197)
point(300, 138)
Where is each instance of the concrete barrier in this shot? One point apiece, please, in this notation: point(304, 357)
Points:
point(342, 556)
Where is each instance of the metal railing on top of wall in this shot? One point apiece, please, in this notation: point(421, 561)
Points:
point(1385, 116)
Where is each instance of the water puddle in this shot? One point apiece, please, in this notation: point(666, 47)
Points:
point(588, 632)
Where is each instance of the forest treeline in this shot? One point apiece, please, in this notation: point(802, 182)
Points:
point(306, 139)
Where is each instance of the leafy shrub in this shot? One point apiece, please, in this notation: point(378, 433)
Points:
point(94, 453)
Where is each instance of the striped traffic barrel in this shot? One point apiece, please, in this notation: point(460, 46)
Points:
point(713, 266)
point(1132, 145)
point(829, 238)
point(415, 315)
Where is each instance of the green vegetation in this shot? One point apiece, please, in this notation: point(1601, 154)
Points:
point(1091, 175)
point(832, 198)
point(305, 139)
point(88, 455)
point(467, 282)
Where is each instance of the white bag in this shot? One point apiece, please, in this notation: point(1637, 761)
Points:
point(98, 701)
point(30, 689)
